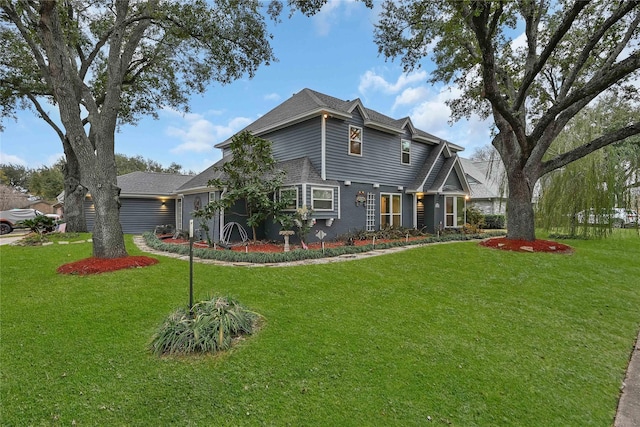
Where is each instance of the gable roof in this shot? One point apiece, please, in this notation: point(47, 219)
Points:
point(308, 103)
point(427, 167)
point(485, 182)
point(451, 164)
point(150, 183)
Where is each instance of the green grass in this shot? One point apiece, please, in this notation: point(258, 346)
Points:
point(462, 334)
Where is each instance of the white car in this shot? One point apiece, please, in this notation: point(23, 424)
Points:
point(617, 217)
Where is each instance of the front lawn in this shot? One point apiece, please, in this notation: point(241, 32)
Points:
point(449, 334)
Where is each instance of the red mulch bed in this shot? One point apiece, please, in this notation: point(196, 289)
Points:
point(537, 245)
point(102, 265)
point(270, 247)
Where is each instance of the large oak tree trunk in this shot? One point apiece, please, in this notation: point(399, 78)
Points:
point(108, 240)
point(94, 152)
point(522, 177)
point(520, 216)
point(74, 192)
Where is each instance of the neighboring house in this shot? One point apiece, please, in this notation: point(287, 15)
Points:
point(355, 168)
point(43, 206)
point(488, 185)
point(147, 200)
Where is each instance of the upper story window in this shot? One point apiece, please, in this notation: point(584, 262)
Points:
point(290, 193)
point(322, 199)
point(355, 141)
point(405, 148)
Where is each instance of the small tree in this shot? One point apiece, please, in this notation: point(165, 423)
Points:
point(250, 176)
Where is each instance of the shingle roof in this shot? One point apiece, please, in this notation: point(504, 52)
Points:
point(202, 179)
point(297, 171)
point(426, 168)
point(151, 183)
point(487, 185)
point(302, 171)
point(308, 103)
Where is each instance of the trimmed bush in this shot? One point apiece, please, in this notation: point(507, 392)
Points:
point(211, 328)
point(301, 254)
point(494, 221)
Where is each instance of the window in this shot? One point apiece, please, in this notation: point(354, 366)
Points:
point(405, 148)
point(390, 210)
point(454, 211)
point(179, 213)
point(355, 141)
point(290, 193)
point(322, 199)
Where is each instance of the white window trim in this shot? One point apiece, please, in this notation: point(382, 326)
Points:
point(402, 151)
point(361, 141)
point(179, 203)
point(391, 214)
point(454, 213)
point(313, 207)
point(296, 197)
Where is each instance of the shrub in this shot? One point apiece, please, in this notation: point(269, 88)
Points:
point(494, 221)
point(475, 217)
point(40, 224)
point(211, 328)
point(299, 254)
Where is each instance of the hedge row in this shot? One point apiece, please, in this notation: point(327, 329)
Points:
point(300, 254)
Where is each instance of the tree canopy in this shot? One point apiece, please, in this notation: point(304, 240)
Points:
point(249, 176)
point(570, 52)
point(110, 62)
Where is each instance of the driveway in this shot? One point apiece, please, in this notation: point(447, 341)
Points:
point(15, 235)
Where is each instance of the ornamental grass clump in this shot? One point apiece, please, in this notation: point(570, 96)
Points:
point(212, 327)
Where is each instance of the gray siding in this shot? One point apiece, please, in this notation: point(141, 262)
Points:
point(381, 155)
point(301, 140)
point(453, 182)
point(137, 216)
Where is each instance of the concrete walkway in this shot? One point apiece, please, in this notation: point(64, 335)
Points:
point(628, 412)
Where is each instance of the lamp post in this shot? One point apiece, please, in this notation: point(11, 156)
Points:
point(191, 267)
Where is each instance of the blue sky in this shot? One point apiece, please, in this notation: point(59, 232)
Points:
point(332, 52)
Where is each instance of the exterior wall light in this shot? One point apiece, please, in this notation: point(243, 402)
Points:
point(329, 222)
point(347, 183)
point(376, 185)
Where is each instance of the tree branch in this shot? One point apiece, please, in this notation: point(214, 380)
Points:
point(534, 70)
point(593, 41)
point(590, 147)
point(45, 116)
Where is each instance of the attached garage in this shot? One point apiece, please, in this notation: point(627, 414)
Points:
point(147, 200)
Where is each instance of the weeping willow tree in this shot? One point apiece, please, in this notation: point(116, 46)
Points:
point(578, 199)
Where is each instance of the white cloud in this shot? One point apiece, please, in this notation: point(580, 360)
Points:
point(411, 96)
point(199, 135)
point(53, 158)
point(330, 14)
point(10, 158)
point(519, 42)
point(370, 81)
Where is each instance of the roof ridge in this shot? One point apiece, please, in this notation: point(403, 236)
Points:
point(313, 95)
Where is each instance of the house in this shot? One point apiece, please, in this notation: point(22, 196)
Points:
point(147, 199)
point(487, 182)
point(355, 168)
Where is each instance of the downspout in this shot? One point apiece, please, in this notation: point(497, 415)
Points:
point(323, 146)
